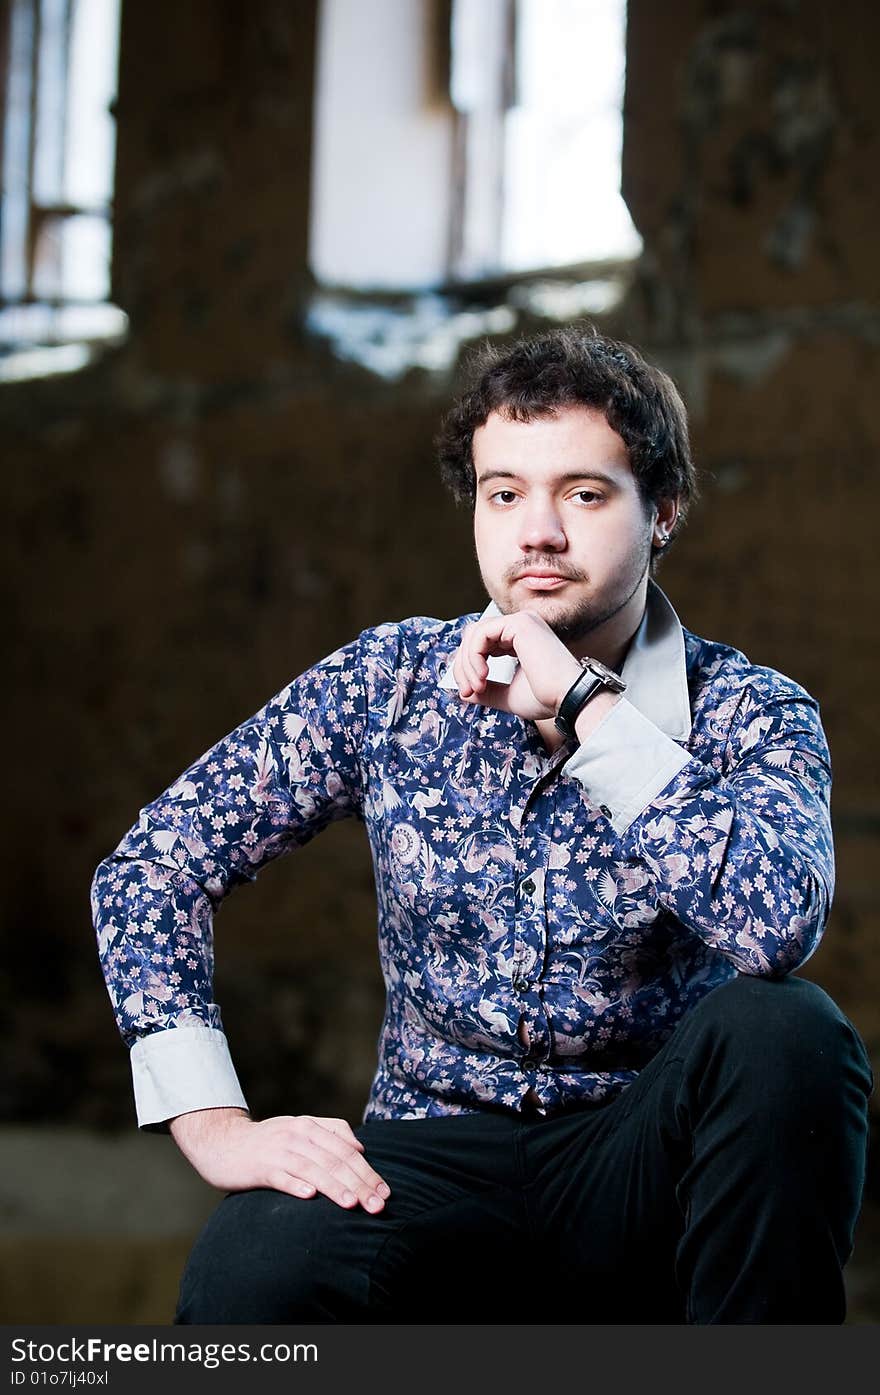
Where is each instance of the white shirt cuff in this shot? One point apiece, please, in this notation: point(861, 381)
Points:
point(625, 763)
point(182, 1069)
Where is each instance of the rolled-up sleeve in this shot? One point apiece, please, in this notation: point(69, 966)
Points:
point(175, 1072)
point(625, 763)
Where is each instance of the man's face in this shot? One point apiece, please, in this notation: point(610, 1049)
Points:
point(559, 525)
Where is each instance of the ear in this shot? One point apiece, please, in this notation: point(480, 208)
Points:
point(665, 516)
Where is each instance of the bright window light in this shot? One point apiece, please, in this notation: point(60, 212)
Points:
point(499, 155)
point(57, 173)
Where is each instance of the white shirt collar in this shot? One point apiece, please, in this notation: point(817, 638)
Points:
point(654, 669)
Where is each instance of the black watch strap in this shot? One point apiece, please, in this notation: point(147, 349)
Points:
point(582, 689)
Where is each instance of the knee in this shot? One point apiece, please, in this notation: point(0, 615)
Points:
point(250, 1264)
point(782, 1031)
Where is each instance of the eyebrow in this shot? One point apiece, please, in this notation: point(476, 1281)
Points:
point(568, 478)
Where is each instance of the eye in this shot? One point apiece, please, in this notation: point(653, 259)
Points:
point(503, 496)
point(587, 496)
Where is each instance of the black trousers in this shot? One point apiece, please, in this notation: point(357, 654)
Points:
point(722, 1186)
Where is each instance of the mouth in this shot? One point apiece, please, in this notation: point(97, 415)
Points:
point(542, 581)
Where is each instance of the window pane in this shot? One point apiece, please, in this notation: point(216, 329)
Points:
point(85, 259)
point(570, 55)
point(72, 259)
point(51, 94)
point(383, 148)
point(58, 167)
point(91, 130)
point(16, 146)
point(479, 36)
point(563, 192)
point(565, 137)
point(46, 280)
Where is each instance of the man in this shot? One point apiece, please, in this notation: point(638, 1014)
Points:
point(601, 846)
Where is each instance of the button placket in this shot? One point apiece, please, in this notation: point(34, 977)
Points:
point(526, 975)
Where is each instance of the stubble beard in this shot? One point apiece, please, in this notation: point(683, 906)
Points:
point(574, 623)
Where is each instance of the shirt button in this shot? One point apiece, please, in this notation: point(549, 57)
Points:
point(521, 985)
point(528, 887)
point(603, 809)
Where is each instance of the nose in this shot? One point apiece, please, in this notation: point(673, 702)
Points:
point(540, 525)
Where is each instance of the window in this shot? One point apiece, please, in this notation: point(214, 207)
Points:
point(501, 154)
point(59, 72)
point(537, 87)
point(483, 147)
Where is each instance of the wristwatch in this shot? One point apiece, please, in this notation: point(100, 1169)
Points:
point(595, 676)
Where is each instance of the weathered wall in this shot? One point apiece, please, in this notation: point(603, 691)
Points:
point(218, 504)
point(752, 185)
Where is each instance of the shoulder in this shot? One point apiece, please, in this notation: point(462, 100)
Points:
point(389, 662)
point(738, 705)
point(719, 671)
point(382, 669)
point(416, 633)
point(417, 643)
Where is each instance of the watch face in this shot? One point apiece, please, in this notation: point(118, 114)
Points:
point(602, 671)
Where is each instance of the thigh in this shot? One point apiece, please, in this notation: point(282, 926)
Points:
point(616, 1190)
point(603, 1189)
point(455, 1225)
point(267, 1257)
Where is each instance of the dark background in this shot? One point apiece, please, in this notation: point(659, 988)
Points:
point(219, 502)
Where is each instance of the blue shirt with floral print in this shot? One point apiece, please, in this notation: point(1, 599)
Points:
point(592, 894)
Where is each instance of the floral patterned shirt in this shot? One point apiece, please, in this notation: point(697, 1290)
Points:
point(593, 894)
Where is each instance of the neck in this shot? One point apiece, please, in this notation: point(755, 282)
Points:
point(610, 641)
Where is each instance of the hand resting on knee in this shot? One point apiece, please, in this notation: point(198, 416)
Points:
point(297, 1154)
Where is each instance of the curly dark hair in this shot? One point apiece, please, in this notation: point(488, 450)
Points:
point(571, 366)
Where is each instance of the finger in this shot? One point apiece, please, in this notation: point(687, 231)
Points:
point(282, 1181)
point(461, 668)
point(334, 1155)
point(488, 639)
point(366, 1179)
point(478, 672)
point(461, 682)
point(333, 1178)
point(338, 1146)
point(474, 667)
point(493, 636)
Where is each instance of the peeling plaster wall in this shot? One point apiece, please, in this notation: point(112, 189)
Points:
point(753, 186)
point(219, 503)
